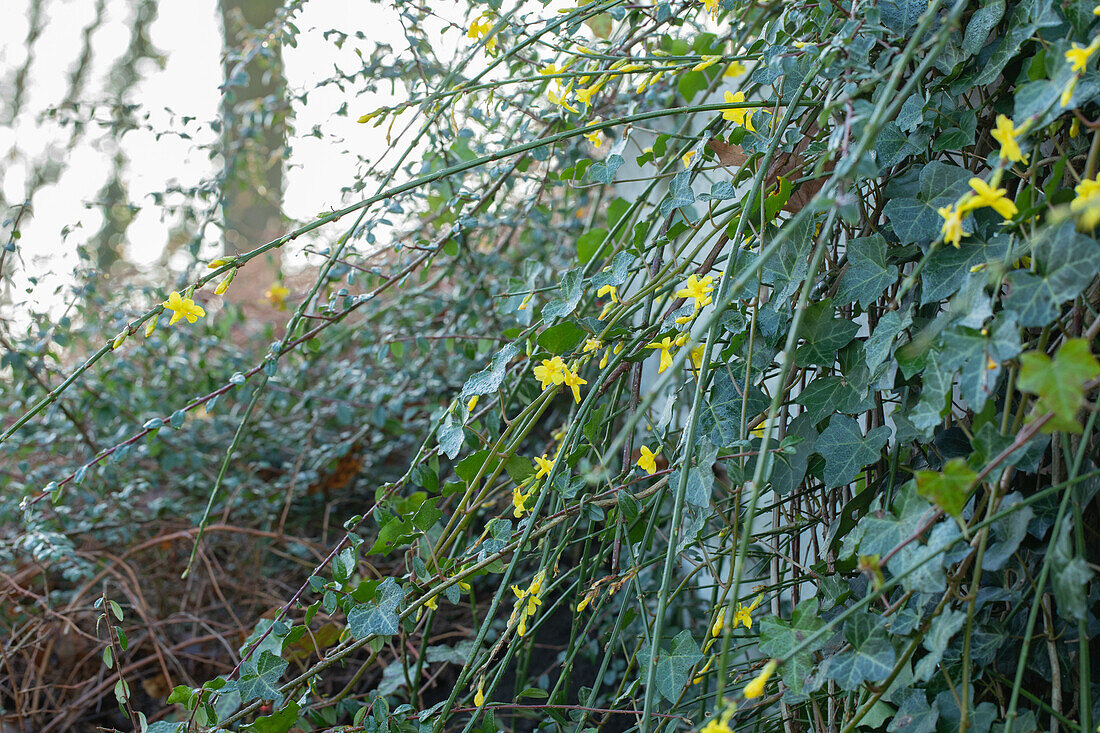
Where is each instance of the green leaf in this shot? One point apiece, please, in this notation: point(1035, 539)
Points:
point(378, 617)
point(867, 275)
point(779, 637)
point(1067, 262)
point(871, 660)
point(786, 269)
point(674, 666)
point(691, 83)
point(1071, 577)
point(980, 355)
point(1007, 533)
point(914, 715)
point(1059, 383)
point(561, 338)
point(846, 450)
point(260, 677)
point(940, 632)
point(824, 334)
point(604, 171)
point(279, 722)
point(1026, 18)
point(937, 380)
point(488, 380)
point(948, 490)
point(721, 418)
point(450, 435)
point(981, 23)
point(828, 394)
point(948, 267)
point(591, 244)
point(789, 469)
point(570, 289)
point(914, 219)
point(680, 193)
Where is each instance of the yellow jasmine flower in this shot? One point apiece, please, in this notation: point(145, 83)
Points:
point(614, 293)
point(479, 698)
point(525, 302)
point(219, 262)
point(686, 157)
point(584, 603)
point(986, 195)
point(706, 63)
point(183, 308)
point(756, 687)
point(119, 340)
point(550, 69)
point(1067, 92)
point(150, 326)
point(276, 295)
point(696, 356)
point(544, 465)
point(573, 382)
point(1078, 56)
point(560, 101)
point(736, 68)
point(594, 138)
point(739, 116)
point(527, 603)
point(592, 344)
point(720, 724)
point(680, 340)
point(519, 500)
point(711, 6)
point(550, 371)
point(1006, 135)
point(607, 354)
point(698, 289)
point(432, 603)
point(1087, 203)
point(719, 624)
point(800, 44)
point(743, 615)
point(471, 404)
point(952, 225)
point(585, 95)
point(224, 284)
point(701, 674)
point(665, 347)
point(648, 461)
point(1075, 126)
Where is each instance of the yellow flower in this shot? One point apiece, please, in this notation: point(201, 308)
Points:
point(696, 356)
point(743, 615)
point(711, 6)
point(519, 500)
point(736, 68)
point(527, 602)
point(432, 603)
point(756, 687)
point(648, 461)
point(986, 195)
point(952, 225)
point(738, 116)
point(219, 262)
point(592, 344)
point(276, 295)
point(550, 69)
point(1078, 56)
point(1074, 128)
point(699, 289)
point(1006, 135)
point(224, 284)
point(614, 293)
point(665, 347)
point(573, 382)
point(714, 725)
point(479, 698)
point(150, 326)
point(544, 465)
point(1067, 92)
point(471, 404)
point(560, 101)
point(550, 371)
point(1087, 203)
point(524, 303)
point(706, 63)
point(686, 157)
point(719, 624)
point(701, 674)
point(585, 95)
point(594, 138)
point(183, 308)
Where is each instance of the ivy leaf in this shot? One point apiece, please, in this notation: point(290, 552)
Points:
point(937, 382)
point(939, 635)
point(948, 490)
point(680, 193)
point(867, 274)
point(1067, 263)
point(721, 419)
point(916, 219)
point(914, 715)
point(786, 269)
point(871, 662)
point(948, 267)
point(1026, 18)
point(825, 335)
point(279, 722)
point(260, 676)
point(450, 435)
point(877, 348)
point(846, 450)
point(378, 617)
point(789, 469)
point(1072, 574)
point(980, 355)
point(1059, 383)
point(560, 338)
point(779, 637)
point(1007, 533)
point(901, 15)
point(570, 289)
point(674, 666)
point(604, 171)
point(488, 380)
point(828, 394)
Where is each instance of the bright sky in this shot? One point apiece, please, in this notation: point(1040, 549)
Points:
point(188, 33)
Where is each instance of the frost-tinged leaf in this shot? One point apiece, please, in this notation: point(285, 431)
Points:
point(570, 296)
point(379, 617)
point(1067, 263)
point(948, 267)
point(786, 269)
point(721, 419)
point(450, 435)
point(872, 662)
point(846, 450)
point(488, 380)
point(604, 171)
point(948, 490)
point(674, 666)
point(914, 715)
point(1007, 533)
point(260, 677)
point(1071, 577)
point(867, 274)
point(980, 355)
point(1059, 382)
point(788, 469)
point(680, 193)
